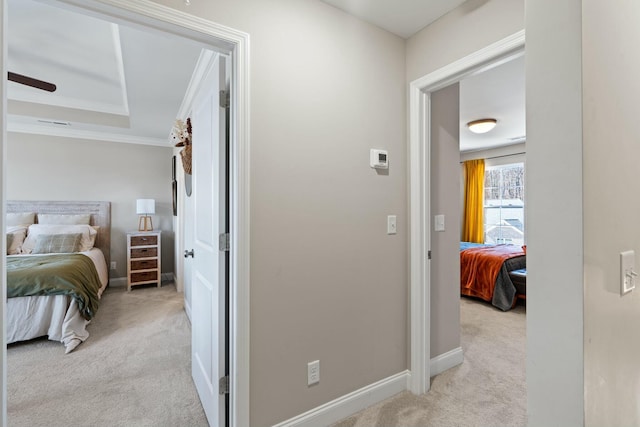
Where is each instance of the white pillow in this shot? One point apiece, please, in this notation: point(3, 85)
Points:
point(22, 218)
point(86, 243)
point(64, 219)
point(14, 243)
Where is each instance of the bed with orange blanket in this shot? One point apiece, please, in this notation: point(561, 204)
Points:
point(484, 272)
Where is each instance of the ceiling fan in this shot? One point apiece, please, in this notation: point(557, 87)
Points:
point(30, 81)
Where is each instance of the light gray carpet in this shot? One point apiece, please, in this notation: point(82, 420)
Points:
point(134, 370)
point(486, 390)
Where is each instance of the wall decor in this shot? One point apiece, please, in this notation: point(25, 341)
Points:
point(174, 186)
point(181, 134)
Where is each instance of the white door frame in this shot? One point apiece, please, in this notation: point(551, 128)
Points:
point(419, 195)
point(227, 40)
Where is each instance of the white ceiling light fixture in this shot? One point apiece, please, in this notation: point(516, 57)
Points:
point(482, 125)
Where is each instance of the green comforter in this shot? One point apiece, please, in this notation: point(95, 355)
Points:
point(55, 274)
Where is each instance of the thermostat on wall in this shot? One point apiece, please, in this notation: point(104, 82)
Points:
point(379, 159)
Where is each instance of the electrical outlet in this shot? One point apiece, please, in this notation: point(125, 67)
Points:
point(113, 265)
point(627, 275)
point(313, 372)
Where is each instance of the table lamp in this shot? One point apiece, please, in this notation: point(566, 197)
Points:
point(144, 208)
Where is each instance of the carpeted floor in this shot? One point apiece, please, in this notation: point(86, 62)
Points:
point(134, 370)
point(486, 390)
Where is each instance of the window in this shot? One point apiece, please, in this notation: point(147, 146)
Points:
point(504, 204)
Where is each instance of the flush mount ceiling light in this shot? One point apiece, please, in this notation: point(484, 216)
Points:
point(482, 125)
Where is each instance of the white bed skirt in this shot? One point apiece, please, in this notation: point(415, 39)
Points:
point(56, 316)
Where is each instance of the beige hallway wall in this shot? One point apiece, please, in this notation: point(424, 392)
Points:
point(555, 392)
point(327, 282)
point(611, 150)
point(468, 28)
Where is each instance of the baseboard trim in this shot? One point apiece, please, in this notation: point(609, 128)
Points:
point(118, 282)
point(122, 281)
point(187, 310)
point(351, 403)
point(445, 361)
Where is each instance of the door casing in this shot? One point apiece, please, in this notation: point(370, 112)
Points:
point(419, 194)
point(235, 44)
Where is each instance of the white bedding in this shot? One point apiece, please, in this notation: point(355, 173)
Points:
point(56, 316)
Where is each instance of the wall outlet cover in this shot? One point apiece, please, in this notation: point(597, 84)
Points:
point(313, 372)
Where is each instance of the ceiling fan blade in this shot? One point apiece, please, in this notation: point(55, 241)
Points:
point(30, 81)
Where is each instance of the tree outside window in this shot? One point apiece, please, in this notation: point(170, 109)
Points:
point(504, 204)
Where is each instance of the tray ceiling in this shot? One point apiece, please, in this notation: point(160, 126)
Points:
point(113, 82)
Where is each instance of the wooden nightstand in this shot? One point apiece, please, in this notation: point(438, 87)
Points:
point(143, 258)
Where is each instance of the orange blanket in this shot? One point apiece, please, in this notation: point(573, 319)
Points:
point(479, 268)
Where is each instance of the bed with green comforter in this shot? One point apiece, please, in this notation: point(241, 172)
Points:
point(72, 274)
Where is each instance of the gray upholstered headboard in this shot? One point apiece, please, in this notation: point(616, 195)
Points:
point(100, 215)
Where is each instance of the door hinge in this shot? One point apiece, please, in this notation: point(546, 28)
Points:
point(429, 254)
point(223, 385)
point(225, 99)
point(225, 242)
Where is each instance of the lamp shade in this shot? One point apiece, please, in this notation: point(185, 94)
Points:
point(145, 206)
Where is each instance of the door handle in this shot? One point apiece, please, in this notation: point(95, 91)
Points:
point(188, 254)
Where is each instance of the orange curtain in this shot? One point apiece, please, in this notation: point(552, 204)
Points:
point(473, 226)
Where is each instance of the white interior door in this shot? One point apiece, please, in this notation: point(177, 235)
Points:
point(208, 264)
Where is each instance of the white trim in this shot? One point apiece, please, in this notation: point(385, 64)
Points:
point(228, 40)
point(486, 58)
point(240, 234)
point(187, 310)
point(447, 360)
point(419, 182)
point(349, 404)
point(117, 48)
point(419, 232)
point(204, 65)
point(70, 132)
point(3, 210)
point(118, 282)
point(73, 103)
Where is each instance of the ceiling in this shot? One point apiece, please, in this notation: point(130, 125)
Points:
point(113, 82)
point(118, 83)
point(401, 17)
point(497, 93)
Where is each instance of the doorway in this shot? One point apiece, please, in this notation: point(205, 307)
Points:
point(234, 44)
point(419, 197)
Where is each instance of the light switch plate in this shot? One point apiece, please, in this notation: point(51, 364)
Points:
point(627, 272)
point(392, 227)
point(439, 223)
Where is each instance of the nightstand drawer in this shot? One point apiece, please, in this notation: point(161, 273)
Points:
point(144, 277)
point(144, 264)
point(144, 253)
point(143, 258)
point(144, 240)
